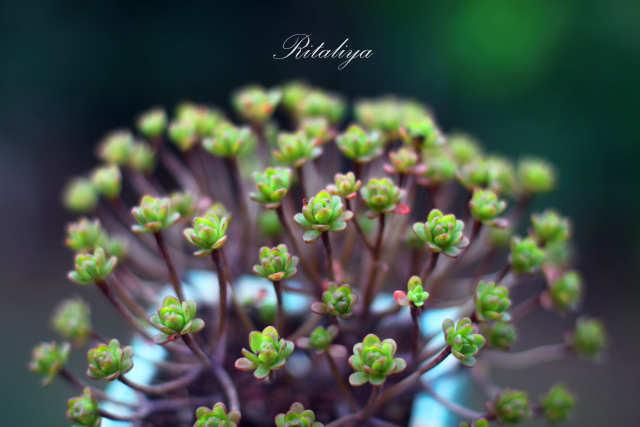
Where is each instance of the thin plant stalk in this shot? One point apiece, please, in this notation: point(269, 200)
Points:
point(326, 242)
point(223, 282)
point(173, 274)
point(122, 309)
point(369, 287)
point(335, 371)
point(279, 306)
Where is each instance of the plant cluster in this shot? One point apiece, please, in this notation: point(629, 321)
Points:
point(339, 217)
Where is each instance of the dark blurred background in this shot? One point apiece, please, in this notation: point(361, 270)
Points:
point(555, 79)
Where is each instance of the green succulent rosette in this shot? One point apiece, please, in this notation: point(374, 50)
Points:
point(566, 291)
point(485, 205)
point(297, 416)
point(337, 300)
point(92, 267)
point(535, 176)
point(402, 161)
point(109, 361)
point(183, 133)
point(72, 320)
point(415, 295)
point(322, 213)
point(317, 130)
point(85, 235)
point(374, 360)
point(557, 404)
point(293, 93)
point(107, 180)
point(500, 335)
point(423, 132)
point(463, 148)
point(208, 234)
point(154, 214)
point(295, 149)
point(345, 185)
point(589, 338)
point(492, 301)
point(80, 196)
point(474, 174)
point(205, 119)
point(83, 410)
point(442, 233)
point(229, 141)
point(321, 338)
point(463, 339)
point(268, 352)
point(273, 185)
point(381, 195)
point(269, 224)
point(115, 148)
point(175, 318)
point(512, 407)
point(183, 203)
point(501, 175)
point(276, 263)
point(320, 104)
point(550, 227)
point(358, 145)
point(142, 158)
point(152, 123)
point(525, 256)
point(48, 358)
point(255, 104)
point(217, 416)
point(439, 168)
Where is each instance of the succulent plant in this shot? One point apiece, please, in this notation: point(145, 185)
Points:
point(269, 224)
point(463, 339)
point(295, 149)
point(550, 227)
point(83, 411)
point(85, 235)
point(316, 129)
point(381, 195)
point(209, 233)
point(415, 296)
point(152, 123)
point(217, 416)
point(273, 185)
point(424, 132)
point(321, 338)
point(526, 256)
point(442, 233)
point(345, 185)
point(92, 267)
point(439, 168)
point(320, 104)
point(175, 318)
point(535, 176)
point(72, 320)
point(268, 352)
point(557, 404)
point(474, 174)
point(463, 148)
point(337, 300)
point(47, 359)
point(589, 338)
point(276, 263)
point(403, 160)
point(229, 141)
point(566, 291)
point(485, 205)
point(142, 158)
point(492, 301)
point(154, 214)
point(500, 335)
point(322, 213)
point(183, 133)
point(116, 147)
point(107, 180)
point(255, 104)
point(501, 175)
point(373, 360)
point(109, 361)
point(80, 196)
point(512, 406)
point(297, 416)
point(358, 145)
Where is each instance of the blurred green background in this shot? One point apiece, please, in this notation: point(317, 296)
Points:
point(555, 79)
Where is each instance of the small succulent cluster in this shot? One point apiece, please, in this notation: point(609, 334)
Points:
point(239, 194)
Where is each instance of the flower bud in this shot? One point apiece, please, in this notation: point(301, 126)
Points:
point(557, 404)
point(322, 213)
point(152, 123)
point(80, 196)
point(217, 416)
point(525, 256)
point(92, 267)
point(268, 353)
point(345, 185)
point(255, 104)
point(566, 291)
point(209, 233)
point(549, 226)
point(297, 416)
point(512, 406)
point(154, 214)
point(276, 264)
point(107, 180)
point(83, 410)
point(442, 233)
point(485, 205)
point(358, 145)
point(373, 361)
point(295, 149)
point(589, 338)
point(273, 185)
point(116, 147)
point(381, 195)
point(72, 320)
point(175, 318)
point(463, 339)
point(47, 359)
point(536, 176)
point(229, 141)
point(109, 361)
point(500, 335)
point(492, 301)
